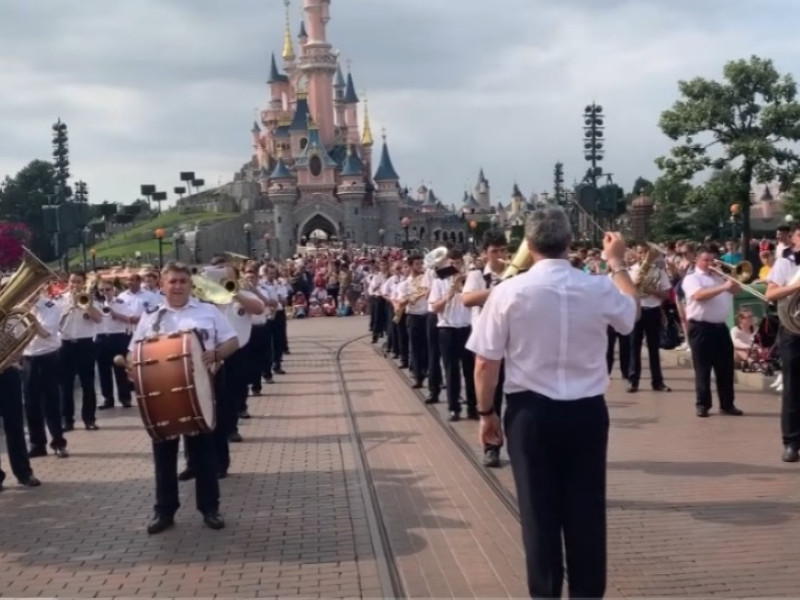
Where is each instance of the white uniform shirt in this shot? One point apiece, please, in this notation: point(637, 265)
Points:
point(239, 318)
point(376, 281)
point(48, 314)
point(455, 314)
point(141, 301)
point(75, 324)
point(476, 282)
point(269, 293)
point(407, 289)
point(213, 328)
point(390, 286)
point(663, 286)
point(715, 310)
point(550, 324)
point(782, 271)
point(108, 324)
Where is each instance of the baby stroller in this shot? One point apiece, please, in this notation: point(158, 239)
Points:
point(764, 356)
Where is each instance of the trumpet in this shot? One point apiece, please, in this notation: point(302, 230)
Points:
point(83, 301)
point(208, 290)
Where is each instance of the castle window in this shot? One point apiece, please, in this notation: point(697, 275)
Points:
point(315, 165)
point(303, 143)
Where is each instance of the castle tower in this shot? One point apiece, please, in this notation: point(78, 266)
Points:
point(339, 89)
point(318, 64)
point(482, 191)
point(387, 195)
point(282, 192)
point(350, 101)
point(351, 192)
point(288, 49)
point(366, 140)
point(517, 200)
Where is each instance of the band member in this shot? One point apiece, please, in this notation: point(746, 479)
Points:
point(477, 287)
point(137, 294)
point(779, 287)
point(434, 352)
point(77, 329)
point(14, 428)
point(709, 301)
point(111, 339)
point(413, 298)
point(454, 328)
point(40, 367)
point(281, 336)
point(556, 420)
point(397, 332)
point(181, 312)
point(654, 288)
point(260, 346)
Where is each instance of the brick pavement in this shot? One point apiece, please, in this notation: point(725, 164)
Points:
point(697, 507)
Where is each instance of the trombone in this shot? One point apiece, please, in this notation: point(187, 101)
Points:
point(739, 274)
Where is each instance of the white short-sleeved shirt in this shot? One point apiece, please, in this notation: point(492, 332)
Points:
point(75, 324)
point(407, 289)
point(663, 286)
point(269, 293)
point(205, 318)
point(455, 314)
point(550, 325)
point(713, 310)
point(476, 282)
point(782, 272)
point(239, 318)
point(375, 283)
point(108, 324)
point(48, 314)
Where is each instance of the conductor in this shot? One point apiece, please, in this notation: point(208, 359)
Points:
point(180, 312)
point(550, 326)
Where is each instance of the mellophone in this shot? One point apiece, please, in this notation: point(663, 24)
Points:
point(174, 389)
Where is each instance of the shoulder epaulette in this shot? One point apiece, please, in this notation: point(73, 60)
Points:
point(151, 309)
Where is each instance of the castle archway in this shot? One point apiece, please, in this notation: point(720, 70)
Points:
point(319, 222)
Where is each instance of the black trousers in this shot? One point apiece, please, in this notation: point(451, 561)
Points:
point(106, 347)
point(281, 343)
point(434, 354)
point(77, 358)
point(558, 457)
point(498, 396)
point(200, 454)
point(42, 402)
point(458, 361)
point(392, 339)
point(377, 316)
point(624, 352)
point(13, 424)
point(236, 378)
point(790, 404)
point(400, 339)
point(418, 343)
point(259, 356)
point(712, 350)
point(648, 328)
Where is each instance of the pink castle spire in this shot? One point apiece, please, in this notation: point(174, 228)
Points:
point(318, 64)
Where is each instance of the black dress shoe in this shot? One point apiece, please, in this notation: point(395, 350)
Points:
point(105, 406)
point(91, 427)
point(126, 404)
point(661, 388)
point(403, 365)
point(491, 457)
point(235, 438)
point(61, 453)
point(69, 425)
point(417, 386)
point(222, 474)
point(186, 475)
point(37, 451)
point(790, 454)
point(30, 482)
point(632, 388)
point(279, 371)
point(454, 416)
point(472, 415)
point(702, 411)
point(244, 415)
point(432, 400)
point(732, 411)
point(213, 520)
point(160, 523)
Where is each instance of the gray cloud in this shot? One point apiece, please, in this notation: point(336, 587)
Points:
point(153, 87)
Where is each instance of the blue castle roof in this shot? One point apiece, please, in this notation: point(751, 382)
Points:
point(300, 122)
point(280, 171)
point(386, 170)
point(350, 96)
point(276, 76)
point(352, 165)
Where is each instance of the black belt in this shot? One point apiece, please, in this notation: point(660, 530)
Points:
point(709, 323)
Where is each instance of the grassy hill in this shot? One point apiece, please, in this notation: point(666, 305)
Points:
point(141, 237)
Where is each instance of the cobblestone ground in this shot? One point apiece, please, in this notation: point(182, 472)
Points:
point(697, 507)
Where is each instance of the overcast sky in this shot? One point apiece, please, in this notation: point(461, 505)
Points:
point(149, 88)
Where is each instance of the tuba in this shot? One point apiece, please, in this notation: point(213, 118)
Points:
point(522, 261)
point(789, 309)
point(417, 292)
point(17, 325)
point(648, 277)
point(435, 257)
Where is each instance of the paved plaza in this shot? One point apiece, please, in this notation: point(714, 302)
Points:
point(319, 504)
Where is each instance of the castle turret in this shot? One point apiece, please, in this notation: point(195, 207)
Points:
point(366, 139)
point(350, 101)
point(482, 191)
point(339, 89)
point(351, 192)
point(318, 64)
point(282, 193)
point(288, 48)
point(387, 195)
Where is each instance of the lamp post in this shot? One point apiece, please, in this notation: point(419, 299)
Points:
point(734, 218)
point(381, 233)
point(84, 243)
point(93, 254)
point(248, 238)
point(177, 240)
point(160, 233)
point(473, 225)
point(138, 256)
point(405, 222)
point(268, 244)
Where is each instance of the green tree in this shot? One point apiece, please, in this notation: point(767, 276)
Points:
point(791, 202)
point(642, 185)
point(22, 198)
point(672, 219)
point(752, 118)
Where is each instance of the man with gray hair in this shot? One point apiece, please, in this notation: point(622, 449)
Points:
point(550, 326)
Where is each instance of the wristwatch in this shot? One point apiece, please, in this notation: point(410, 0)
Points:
point(485, 413)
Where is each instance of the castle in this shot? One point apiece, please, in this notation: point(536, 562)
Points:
point(313, 156)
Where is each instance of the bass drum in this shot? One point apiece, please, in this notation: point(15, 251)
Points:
point(174, 389)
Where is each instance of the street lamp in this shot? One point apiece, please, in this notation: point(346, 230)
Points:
point(160, 233)
point(405, 222)
point(381, 233)
point(267, 243)
point(248, 233)
point(138, 256)
point(84, 243)
point(93, 254)
point(177, 240)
